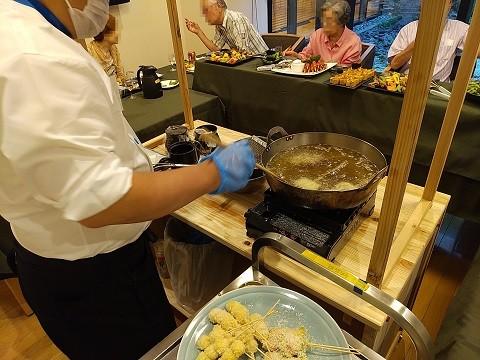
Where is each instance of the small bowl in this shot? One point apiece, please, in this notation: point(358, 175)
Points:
point(256, 182)
point(297, 66)
point(270, 52)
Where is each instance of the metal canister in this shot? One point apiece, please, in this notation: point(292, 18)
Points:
point(191, 57)
point(175, 134)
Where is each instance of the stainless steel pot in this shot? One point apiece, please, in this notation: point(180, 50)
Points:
point(320, 199)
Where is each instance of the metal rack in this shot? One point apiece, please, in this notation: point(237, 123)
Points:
point(167, 349)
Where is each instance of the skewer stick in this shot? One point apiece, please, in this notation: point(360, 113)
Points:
point(334, 348)
point(178, 50)
point(271, 310)
point(261, 352)
point(426, 47)
point(454, 108)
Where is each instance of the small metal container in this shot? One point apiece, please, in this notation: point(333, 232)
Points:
point(205, 146)
point(175, 134)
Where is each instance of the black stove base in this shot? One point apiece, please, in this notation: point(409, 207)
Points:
point(324, 232)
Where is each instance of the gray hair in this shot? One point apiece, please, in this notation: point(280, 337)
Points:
point(220, 3)
point(340, 8)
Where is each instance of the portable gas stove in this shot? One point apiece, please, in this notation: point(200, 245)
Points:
point(322, 231)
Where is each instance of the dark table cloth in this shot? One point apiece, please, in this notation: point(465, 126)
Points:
point(256, 101)
point(150, 118)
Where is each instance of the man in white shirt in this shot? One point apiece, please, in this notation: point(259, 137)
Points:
point(452, 42)
point(78, 189)
point(231, 28)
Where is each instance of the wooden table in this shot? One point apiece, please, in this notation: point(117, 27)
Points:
point(222, 218)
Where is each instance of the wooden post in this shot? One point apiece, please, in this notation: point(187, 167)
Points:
point(454, 108)
point(179, 58)
point(429, 33)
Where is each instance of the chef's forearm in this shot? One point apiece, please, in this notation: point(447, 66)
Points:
point(154, 195)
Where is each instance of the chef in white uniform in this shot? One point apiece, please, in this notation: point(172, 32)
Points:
point(78, 190)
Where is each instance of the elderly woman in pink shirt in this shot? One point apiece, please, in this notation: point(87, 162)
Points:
point(334, 42)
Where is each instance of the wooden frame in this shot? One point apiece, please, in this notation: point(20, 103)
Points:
point(387, 250)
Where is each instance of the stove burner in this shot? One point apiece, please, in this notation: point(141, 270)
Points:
point(322, 231)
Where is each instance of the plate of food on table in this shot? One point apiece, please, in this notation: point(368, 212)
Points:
point(263, 322)
point(390, 81)
point(473, 91)
point(351, 78)
point(229, 57)
point(308, 67)
point(272, 56)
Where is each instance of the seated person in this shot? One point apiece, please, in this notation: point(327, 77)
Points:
point(231, 28)
point(334, 42)
point(104, 49)
point(453, 39)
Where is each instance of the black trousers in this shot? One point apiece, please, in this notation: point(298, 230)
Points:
point(111, 306)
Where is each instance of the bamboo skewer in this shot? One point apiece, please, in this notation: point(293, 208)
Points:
point(465, 69)
point(341, 349)
point(426, 47)
point(179, 56)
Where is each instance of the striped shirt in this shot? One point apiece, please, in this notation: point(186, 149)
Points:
point(452, 42)
point(238, 33)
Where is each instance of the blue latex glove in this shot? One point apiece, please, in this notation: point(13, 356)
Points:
point(235, 163)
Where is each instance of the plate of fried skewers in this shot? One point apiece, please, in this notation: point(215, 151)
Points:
point(263, 322)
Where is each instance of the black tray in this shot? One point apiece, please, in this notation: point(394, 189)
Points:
point(362, 83)
point(227, 64)
point(383, 91)
point(472, 98)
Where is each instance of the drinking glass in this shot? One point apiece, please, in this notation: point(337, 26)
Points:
point(130, 82)
point(173, 62)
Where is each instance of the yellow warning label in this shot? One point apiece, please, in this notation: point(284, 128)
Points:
point(317, 259)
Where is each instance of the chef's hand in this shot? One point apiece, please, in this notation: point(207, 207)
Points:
point(235, 164)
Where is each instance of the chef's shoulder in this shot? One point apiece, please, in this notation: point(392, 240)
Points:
point(30, 44)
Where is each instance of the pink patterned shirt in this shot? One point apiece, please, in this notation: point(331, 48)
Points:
point(346, 50)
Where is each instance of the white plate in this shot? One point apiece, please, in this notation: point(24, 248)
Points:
point(288, 71)
point(293, 310)
point(169, 84)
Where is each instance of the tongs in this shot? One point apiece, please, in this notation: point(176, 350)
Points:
point(166, 165)
point(440, 91)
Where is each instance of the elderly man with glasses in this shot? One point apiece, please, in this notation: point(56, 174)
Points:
point(334, 42)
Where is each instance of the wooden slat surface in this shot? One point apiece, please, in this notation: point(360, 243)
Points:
point(222, 218)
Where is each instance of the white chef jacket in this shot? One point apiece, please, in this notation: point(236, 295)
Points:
point(66, 151)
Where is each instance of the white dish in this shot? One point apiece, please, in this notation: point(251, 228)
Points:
point(169, 84)
point(289, 71)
